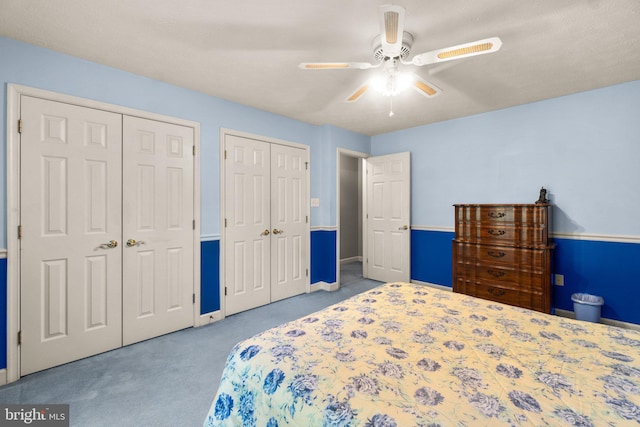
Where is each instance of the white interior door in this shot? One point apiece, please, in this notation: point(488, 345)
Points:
point(71, 225)
point(247, 219)
point(158, 288)
point(289, 216)
point(388, 257)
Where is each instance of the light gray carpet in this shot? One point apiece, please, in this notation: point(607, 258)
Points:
point(169, 380)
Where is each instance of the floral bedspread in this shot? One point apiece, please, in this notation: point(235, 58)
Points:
point(408, 355)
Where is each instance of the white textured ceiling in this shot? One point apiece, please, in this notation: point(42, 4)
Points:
point(247, 51)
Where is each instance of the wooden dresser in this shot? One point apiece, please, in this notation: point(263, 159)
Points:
point(503, 253)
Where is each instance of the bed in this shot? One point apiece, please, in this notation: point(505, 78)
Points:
point(409, 355)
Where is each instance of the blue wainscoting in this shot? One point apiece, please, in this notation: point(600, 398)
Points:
point(323, 256)
point(209, 276)
point(606, 269)
point(323, 266)
point(3, 313)
point(431, 256)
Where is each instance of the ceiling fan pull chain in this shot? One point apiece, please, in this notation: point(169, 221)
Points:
point(391, 106)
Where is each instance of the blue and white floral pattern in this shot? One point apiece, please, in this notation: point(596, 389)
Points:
point(407, 355)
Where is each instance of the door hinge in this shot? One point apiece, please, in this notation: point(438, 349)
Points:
point(19, 125)
point(307, 219)
point(225, 291)
point(194, 150)
point(194, 298)
point(225, 154)
point(306, 165)
point(225, 222)
point(19, 337)
point(307, 272)
point(194, 224)
point(19, 232)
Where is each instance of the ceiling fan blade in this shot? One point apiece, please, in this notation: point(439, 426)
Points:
point(392, 29)
point(335, 65)
point(425, 88)
point(358, 93)
point(465, 50)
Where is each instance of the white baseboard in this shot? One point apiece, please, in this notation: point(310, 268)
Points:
point(324, 286)
point(3, 376)
point(565, 313)
point(207, 318)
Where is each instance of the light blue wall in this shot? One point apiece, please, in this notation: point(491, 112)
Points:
point(585, 148)
point(324, 158)
point(45, 69)
point(36, 67)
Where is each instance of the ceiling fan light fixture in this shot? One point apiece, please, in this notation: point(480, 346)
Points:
point(391, 84)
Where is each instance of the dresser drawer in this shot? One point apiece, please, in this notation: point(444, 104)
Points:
point(505, 295)
point(510, 277)
point(494, 254)
point(503, 214)
point(502, 234)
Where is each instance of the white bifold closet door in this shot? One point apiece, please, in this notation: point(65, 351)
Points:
point(266, 230)
point(84, 290)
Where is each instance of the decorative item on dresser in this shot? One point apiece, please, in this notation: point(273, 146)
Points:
point(502, 252)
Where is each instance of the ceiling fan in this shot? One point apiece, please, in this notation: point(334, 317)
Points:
point(392, 47)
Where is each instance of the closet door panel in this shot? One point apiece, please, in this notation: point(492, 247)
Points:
point(247, 216)
point(290, 240)
point(70, 261)
point(157, 230)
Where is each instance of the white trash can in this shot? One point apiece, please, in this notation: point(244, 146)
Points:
point(587, 307)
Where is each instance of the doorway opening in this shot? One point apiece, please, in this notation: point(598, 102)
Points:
point(350, 213)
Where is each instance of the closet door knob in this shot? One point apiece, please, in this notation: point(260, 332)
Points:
point(110, 245)
point(404, 227)
point(265, 232)
point(276, 231)
point(133, 242)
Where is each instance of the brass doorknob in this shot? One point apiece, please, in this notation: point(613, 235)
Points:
point(404, 227)
point(276, 231)
point(265, 232)
point(133, 242)
point(112, 244)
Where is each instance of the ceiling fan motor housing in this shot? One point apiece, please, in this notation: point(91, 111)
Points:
point(405, 50)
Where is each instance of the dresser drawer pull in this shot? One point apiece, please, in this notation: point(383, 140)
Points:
point(497, 232)
point(496, 254)
point(497, 214)
point(496, 292)
point(495, 273)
